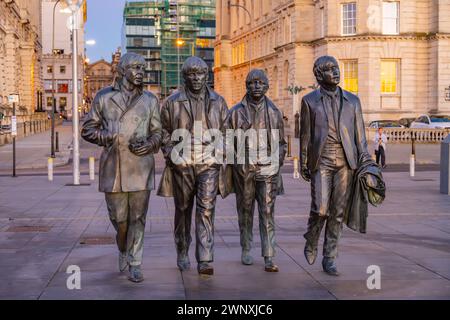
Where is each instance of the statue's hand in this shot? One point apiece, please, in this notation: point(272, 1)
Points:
point(140, 148)
point(306, 175)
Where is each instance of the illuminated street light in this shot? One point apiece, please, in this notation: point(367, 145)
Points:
point(91, 42)
point(180, 42)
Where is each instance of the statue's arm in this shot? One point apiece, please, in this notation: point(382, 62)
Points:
point(360, 132)
point(166, 130)
point(92, 129)
point(283, 143)
point(155, 129)
point(305, 136)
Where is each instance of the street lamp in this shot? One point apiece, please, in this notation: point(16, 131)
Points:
point(251, 19)
point(74, 6)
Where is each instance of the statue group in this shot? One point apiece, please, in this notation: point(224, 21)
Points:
point(210, 150)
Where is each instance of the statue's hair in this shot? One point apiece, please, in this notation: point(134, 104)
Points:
point(320, 64)
point(193, 63)
point(257, 74)
point(129, 58)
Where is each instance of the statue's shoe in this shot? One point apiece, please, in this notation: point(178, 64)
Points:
point(183, 262)
point(246, 258)
point(269, 266)
point(329, 266)
point(205, 268)
point(123, 261)
point(310, 253)
point(135, 274)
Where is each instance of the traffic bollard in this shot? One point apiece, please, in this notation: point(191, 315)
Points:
point(92, 168)
point(50, 169)
point(296, 171)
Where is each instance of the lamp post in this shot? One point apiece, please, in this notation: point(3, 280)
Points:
point(53, 84)
point(74, 6)
point(251, 19)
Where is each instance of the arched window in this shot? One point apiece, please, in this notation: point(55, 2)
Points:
point(285, 76)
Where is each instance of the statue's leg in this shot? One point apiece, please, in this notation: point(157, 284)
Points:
point(138, 204)
point(244, 185)
point(266, 191)
point(207, 183)
point(342, 189)
point(184, 191)
point(117, 204)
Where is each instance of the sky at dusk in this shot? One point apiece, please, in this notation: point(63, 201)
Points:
point(104, 25)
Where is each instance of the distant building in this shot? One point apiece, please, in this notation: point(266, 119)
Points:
point(166, 33)
point(393, 54)
point(59, 60)
point(98, 76)
point(20, 55)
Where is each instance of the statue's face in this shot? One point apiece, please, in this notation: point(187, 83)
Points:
point(134, 73)
point(257, 88)
point(330, 75)
point(195, 79)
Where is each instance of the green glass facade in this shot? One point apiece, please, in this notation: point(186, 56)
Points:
point(152, 28)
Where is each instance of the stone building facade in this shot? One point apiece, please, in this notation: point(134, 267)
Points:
point(98, 75)
point(395, 55)
point(20, 55)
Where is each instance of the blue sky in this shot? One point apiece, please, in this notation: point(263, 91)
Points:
point(104, 25)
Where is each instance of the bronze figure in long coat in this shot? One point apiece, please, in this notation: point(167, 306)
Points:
point(124, 119)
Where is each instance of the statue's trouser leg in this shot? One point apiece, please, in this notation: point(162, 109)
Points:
point(117, 204)
point(138, 206)
point(342, 189)
point(266, 191)
point(184, 192)
point(244, 186)
point(330, 191)
point(207, 183)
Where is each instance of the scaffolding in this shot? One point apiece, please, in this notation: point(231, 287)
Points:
point(177, 28)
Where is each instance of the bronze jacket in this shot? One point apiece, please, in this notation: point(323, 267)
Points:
point(111, 124)
point(314, 129)
point(176, 114)
point(240, 119)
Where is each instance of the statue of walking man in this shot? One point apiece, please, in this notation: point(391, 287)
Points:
point(193, 175)
point(124, 119)
point(254, 178)
point(332, 147)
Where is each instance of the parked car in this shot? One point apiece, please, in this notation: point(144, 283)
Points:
point(431, 122)
point(406, 122)
point(385, 124)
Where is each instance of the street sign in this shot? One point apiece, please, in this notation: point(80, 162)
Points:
point(14, 126)
point(13, 98)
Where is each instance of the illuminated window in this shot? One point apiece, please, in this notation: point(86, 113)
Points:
point(49, 69)
point(390, 17)
point(389, 76)
point(349, 19)
point(350, 75)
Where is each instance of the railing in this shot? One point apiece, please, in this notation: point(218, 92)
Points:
point(404, 135)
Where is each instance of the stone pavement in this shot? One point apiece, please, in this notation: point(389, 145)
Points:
point(33, 151)
point(46, 227)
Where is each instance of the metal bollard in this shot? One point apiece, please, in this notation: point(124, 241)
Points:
point(289, 147)
point(50, 168)
point(296, 171)
point(412, 165)
point(92, 168)
point(57, 141)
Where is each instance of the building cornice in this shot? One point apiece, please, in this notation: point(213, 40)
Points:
point(379, 37)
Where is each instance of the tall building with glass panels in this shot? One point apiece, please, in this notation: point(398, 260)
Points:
point(166, 33)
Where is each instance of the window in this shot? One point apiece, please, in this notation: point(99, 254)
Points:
point(49, 101)
point(390, 17)
point(349, 19)
point(63, 86)
point(62, 69)
point(389, 76)
point(350, 75)
point(49, 69)
point(62, 103)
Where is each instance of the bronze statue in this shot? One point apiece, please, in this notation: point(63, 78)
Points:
point(250, 181)
point(124, 119)
point(332, 147)
point(187, 175)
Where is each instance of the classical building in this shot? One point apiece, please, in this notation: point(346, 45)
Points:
point(97, 76)
point(20, 55)
point(57, 57)
point(395, 55)
point(166, 33)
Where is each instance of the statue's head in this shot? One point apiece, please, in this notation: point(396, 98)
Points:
point(326, 70)
point(132, 69)
point(195, 74)
point(257, 84)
